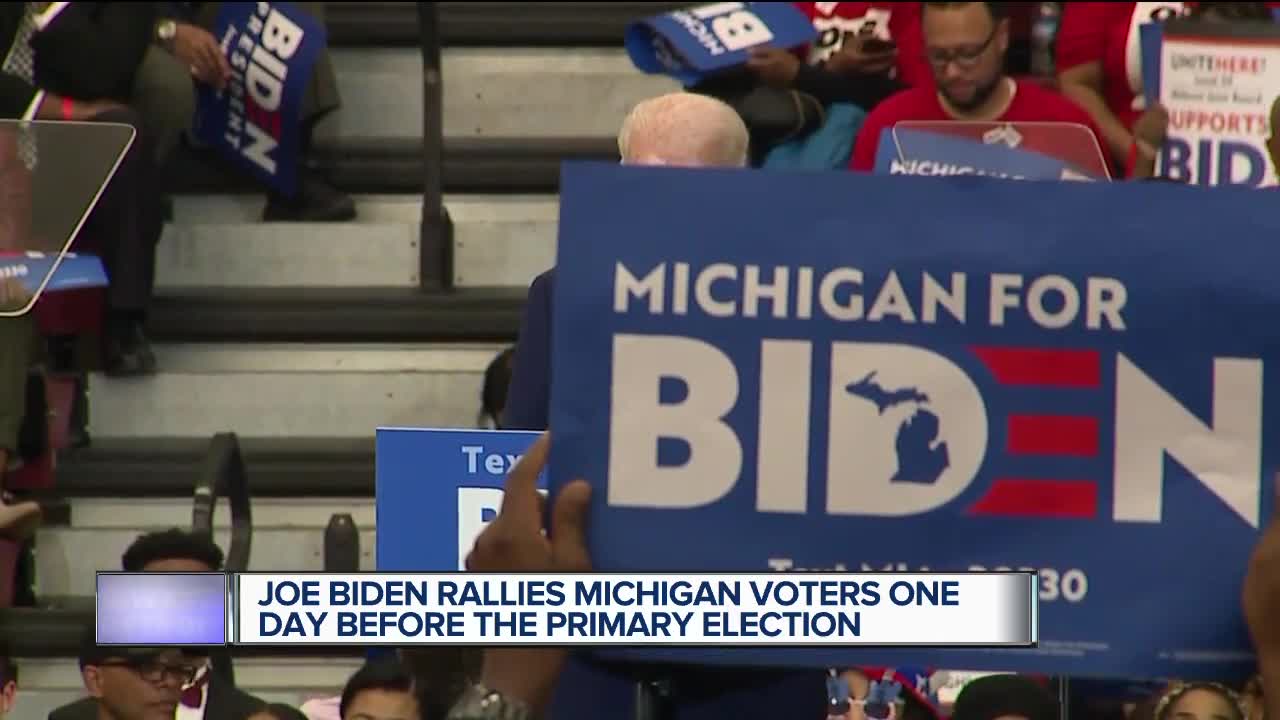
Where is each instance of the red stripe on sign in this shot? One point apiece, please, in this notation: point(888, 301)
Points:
point(1072, 435)
point(1027, 366)
point(1039, 498)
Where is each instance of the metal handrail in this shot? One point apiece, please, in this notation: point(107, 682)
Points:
point(435, 246)
point(224, 474)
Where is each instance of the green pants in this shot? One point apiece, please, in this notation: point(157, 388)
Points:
point(17, 337)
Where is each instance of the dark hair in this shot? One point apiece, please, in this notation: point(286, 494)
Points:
point(441, 675)
point(381, 674)
point(282, 712)
point(998, 10)
point(497, 378)
point(172, 544)
point(8, 670)
point(1244, 11)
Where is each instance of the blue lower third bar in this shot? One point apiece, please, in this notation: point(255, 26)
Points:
point(155, 609)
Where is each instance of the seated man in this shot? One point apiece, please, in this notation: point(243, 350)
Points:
point(182, 50)
point(383, 689)
point(132, 683)
point(125, 225)
point(965, 43)
point(210, 691)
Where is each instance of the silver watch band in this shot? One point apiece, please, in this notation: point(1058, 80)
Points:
point(481, 703)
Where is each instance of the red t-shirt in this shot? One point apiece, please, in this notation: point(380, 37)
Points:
point(896, 21)
point(1107, 32)
point(1031, 103)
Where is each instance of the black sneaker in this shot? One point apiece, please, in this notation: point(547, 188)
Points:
point(316, 201)
point(129, 354)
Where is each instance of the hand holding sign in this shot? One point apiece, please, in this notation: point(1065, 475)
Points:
point(691, 44)
point(774, 66)
point(199, 50)
point(514, 542)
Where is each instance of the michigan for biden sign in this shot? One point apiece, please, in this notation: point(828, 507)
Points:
point(845, 372)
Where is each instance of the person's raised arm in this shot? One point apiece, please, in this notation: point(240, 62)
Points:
point(522, 678)
point(1083, 84)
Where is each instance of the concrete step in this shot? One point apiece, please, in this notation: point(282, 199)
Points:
point(490, 92)
point(220, 241)
point(293, 390)
point(288, 536)
point(47, 683)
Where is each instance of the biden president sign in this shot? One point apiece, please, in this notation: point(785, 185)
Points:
point(844, 372)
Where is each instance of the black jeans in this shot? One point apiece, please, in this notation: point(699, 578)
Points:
point(125, 226)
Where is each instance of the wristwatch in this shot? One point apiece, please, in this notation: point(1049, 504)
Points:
point(481, 703)
point(166, 31)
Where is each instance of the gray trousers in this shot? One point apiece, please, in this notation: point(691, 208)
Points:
point(164, 92)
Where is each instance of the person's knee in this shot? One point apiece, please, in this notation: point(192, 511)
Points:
point(165, 97)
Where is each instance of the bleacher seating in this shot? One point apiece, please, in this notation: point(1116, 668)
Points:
point(303, 338)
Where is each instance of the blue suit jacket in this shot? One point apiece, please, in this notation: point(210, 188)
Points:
point(529, 394)
point(590, 690)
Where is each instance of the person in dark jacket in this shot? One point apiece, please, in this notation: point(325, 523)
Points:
point(55, 58)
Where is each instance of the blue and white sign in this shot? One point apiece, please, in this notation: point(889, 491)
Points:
point(74, 271)
point(436, 491)
point(1000, 151)
point(695, 42)
point(272, 48)
point(903, 373)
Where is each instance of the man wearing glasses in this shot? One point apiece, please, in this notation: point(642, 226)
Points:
point(135, 683)
point(965, 44)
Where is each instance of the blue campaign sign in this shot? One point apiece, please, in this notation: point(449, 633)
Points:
point(695, 42)
point(272, 48)
point(436, 490)
point(74, 271)
point(950, 373)
point(922, 152)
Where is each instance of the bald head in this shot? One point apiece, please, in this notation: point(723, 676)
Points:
point(683, 129)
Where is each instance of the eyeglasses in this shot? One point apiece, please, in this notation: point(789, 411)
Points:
point(965, 57)
point(157, 672)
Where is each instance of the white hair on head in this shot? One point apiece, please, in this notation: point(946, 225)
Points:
point(684, 129)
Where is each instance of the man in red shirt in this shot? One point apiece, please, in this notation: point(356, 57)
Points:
point(965, 44)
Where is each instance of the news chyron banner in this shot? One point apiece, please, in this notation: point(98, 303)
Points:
point(571, 610)
point(695, 42)
point(1220, 83)
point(871, 373)
point(1013, 151)
point(457, 475)
point(272, 48)
point(52, 174)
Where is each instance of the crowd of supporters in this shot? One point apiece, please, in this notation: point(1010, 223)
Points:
point(1074, 62)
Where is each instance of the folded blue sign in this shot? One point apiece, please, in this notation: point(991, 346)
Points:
point(693, 43)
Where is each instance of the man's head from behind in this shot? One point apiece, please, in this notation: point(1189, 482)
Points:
point(135, 683)
point(683, 130)
point(965, 43)
point(381, 690)
point(172, 551)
